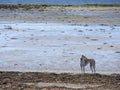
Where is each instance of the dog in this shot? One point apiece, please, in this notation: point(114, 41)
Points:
point(84, 61)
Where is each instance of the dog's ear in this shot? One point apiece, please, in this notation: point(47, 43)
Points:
point(82, 55)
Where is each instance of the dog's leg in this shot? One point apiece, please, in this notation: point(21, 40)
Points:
point(94, 67)
point(91, 67)
point(84, 69)
point(81, 67)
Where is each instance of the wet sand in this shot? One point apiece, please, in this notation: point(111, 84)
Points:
point(52, 39)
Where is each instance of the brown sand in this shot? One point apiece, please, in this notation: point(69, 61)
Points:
point(34, 80)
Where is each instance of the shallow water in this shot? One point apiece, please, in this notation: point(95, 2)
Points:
point(57, 47)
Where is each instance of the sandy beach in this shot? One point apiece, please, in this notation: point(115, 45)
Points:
point(51, 39)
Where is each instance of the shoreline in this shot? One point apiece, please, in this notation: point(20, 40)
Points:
point(61, 72)
point(60, 14)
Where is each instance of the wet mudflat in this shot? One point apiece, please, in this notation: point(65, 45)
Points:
point(56, 47)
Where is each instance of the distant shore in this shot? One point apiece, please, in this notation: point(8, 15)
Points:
point(36, 6)
point(93, 14)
